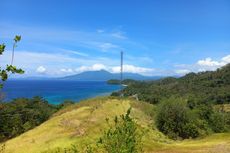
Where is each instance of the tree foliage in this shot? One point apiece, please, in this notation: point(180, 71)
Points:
point(177, 120)
point(23, 114)
point(4, 72)
point(123, 136)
point(203, 87)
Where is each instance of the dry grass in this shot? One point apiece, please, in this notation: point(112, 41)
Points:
point(224, 107)
point(83, 123)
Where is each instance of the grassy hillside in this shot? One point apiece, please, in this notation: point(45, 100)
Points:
point(83, 123)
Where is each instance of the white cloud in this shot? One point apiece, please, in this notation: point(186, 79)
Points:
point(182, 71)
point(94, 67)
point(100, 30)
point(74, 52)
point(69, 70)
point(226, 59)
point(54, 62)
point(116, 69)
point(98, 67)
point(41, 69)
point(118, 35)
point(209, 62)
point(133, 69)
point(47, 37)
point(107, 46)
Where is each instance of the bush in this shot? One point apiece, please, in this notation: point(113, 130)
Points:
point(175, 119)
point(122, 137)
point(218, 122)
point(172, 118)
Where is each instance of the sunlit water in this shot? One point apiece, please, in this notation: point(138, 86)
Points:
point(56, 91)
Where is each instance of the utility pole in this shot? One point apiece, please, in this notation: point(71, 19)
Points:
point(121, 77)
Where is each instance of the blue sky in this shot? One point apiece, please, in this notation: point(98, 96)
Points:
point(158, 37)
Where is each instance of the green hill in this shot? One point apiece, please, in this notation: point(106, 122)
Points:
point(203, 87)
point(83, 123)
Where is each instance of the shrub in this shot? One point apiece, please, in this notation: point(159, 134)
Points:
point(175, 119)
point(122, 137)
point(172, 118)
point(218, 122)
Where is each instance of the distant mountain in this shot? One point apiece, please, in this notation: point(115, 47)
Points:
point(103, 75)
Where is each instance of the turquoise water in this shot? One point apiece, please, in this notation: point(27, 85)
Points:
point(56, 91)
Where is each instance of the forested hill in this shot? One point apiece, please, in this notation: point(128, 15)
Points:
point(210, 86)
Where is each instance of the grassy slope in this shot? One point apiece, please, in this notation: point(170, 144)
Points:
point(84, 122)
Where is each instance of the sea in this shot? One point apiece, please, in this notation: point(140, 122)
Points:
point(56, 91)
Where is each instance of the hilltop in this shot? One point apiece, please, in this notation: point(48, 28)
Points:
point(83, 123)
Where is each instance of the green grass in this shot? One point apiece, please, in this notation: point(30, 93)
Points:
point(83, 124)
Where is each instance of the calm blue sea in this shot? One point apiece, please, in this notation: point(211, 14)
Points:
point(56, 91)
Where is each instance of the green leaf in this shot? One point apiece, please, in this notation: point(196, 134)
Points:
point(13, 69)
point(2, 48)
point(4, 75)
point(17, 38)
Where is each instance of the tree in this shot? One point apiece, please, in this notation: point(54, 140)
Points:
point(123, 136)
point(176, 120)
point(4, 72)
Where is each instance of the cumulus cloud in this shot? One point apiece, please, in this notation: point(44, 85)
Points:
point(98, 67)
point(41, 69)
point(132, 69)
point(207, 64)
point(116, 69)
point(210, 64)
point(94, 67)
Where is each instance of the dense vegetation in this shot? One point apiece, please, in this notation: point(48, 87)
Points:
point(177, 120)
point(23, 114)
point(116, 82)
point(203, 87)
point(187, 104)
point(113, 81)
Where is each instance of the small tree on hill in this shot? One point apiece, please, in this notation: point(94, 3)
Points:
point(123, 136)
